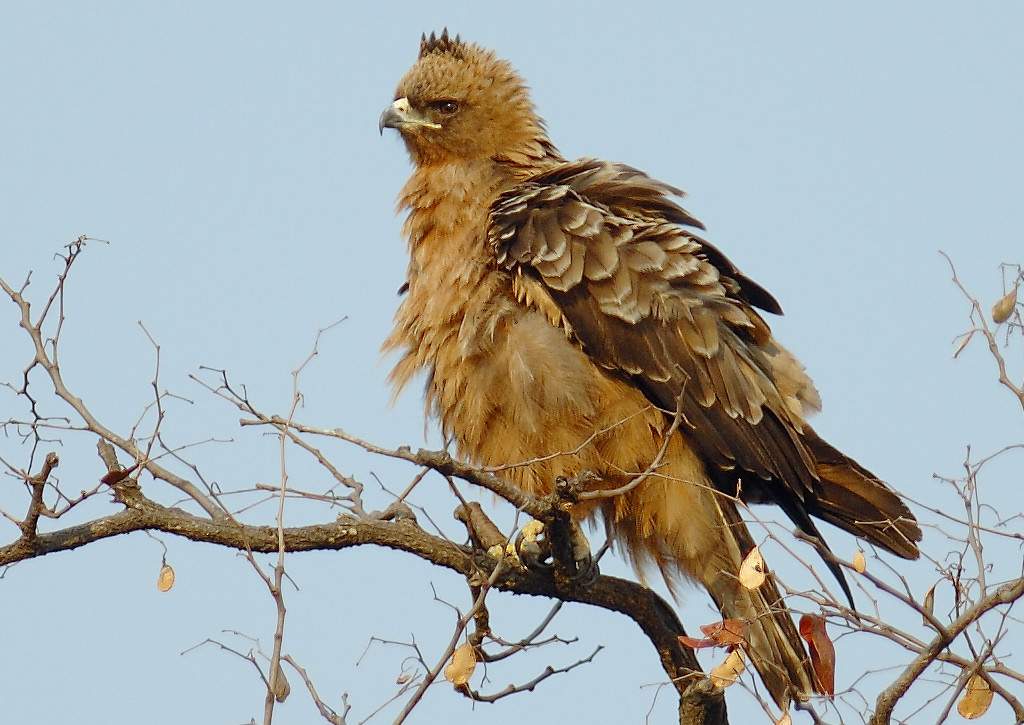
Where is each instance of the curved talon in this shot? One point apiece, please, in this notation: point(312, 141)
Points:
point(535, 555)
point(533, 548)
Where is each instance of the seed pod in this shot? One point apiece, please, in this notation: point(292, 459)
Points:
point(752, 569)
point(461, 667)
point(281, 687)
point(1002, 309)
point(165, 579)
point(929, 603)
point(729, 671)
point(976, 700)
point(860, 565)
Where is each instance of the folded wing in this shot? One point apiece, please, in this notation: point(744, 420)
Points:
point(652, 302)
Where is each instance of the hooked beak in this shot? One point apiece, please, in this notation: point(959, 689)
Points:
point(401, 115)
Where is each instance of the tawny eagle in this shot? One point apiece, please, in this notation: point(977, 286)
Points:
point(566, 314)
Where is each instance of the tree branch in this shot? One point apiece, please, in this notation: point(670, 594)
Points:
point(700, 702)
point(1006, 594)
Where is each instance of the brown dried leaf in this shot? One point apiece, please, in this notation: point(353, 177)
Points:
point(462, 664)
point(823, 652)
point(784, 719)
point(929, 603)
point(752, 570)
point(976, 700)
point(165, 579)
point(694, 643)
point(729, 671)
point(860, 564)
point(727, 632)
point(281, 687)
point(1002, 309)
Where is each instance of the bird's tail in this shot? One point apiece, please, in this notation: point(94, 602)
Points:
point(852, 498)
point(773, 644)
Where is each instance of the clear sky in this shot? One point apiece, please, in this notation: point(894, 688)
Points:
point(229, 152)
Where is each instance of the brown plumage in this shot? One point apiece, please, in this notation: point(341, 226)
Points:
point(567, 307)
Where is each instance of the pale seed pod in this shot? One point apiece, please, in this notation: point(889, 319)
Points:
point(281, 687)
point(165, 579)
point(752, 570)
point(860, 564)
point(1002, 309)
point(729, 671)
point(929, 603)
point(976, 700)
point(462, 664)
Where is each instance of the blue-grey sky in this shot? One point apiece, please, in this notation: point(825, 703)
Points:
point(229, 153)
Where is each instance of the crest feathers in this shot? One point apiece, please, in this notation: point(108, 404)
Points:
point(441, 44)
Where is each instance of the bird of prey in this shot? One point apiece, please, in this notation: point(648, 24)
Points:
point(570, 321)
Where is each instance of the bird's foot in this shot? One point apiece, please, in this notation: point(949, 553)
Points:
point(533, 546)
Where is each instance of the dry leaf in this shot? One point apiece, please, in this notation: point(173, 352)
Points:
point(976, 700)
point(860, 565)
point(695, 643)
point(727, 633)
point(729, 671)
point(929, 603)
point(461, 667)
point(784, 719)
point(165, 579)
point(752, 571)
point(823, 652)
point(1002, 309)
point(281, 687)
point(496, 552)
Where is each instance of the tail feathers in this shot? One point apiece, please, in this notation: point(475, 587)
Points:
point(853, 499)
point(773, 644)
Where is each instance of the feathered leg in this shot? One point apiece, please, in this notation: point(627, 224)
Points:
point(679, 522)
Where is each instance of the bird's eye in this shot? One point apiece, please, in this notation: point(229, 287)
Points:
point(445, 106)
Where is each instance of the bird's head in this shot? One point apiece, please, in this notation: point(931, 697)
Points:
point(461, 102)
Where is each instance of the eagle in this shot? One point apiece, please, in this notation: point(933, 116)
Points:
point(571, 323)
